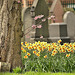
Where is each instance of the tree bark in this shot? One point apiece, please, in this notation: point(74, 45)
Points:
point(10, 32)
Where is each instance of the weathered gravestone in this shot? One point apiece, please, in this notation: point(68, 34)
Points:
point(40, 8)
point(57, 11)
point(27, 24)
point(69, 18)
point(58, 30)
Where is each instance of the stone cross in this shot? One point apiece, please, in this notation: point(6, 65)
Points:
point(57, 11)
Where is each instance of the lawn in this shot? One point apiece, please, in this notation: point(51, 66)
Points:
point(37, 73)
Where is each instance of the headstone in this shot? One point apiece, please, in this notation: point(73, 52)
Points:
point(57, 11)
point(58, 31)
point(27, 24)
point(41, 8)
point(69, 18)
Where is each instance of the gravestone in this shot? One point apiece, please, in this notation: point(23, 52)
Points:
point(57, 30)
point(40, 8)
point(69, 18)
point(27, 24)
point(57, 11)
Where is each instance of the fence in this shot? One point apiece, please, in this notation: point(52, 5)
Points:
point(66, 3)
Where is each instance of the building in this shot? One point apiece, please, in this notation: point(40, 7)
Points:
point(65, 3)
point(27, 3)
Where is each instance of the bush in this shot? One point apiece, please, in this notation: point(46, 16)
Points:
point(17, 70)
point(45, 57)
point(69, 9)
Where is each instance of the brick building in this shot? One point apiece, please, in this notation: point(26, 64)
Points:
point(71, 1)
point(65, 3)
point(27, 3)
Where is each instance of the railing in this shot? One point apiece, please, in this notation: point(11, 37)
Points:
point(66, 3)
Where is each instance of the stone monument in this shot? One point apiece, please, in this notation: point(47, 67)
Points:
point(57, 11)
point(58, 30)
point(40, 7)
point(27, 24)
point(69, 18)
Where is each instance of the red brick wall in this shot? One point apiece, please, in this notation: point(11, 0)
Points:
point(71, 1)
point(62, 1)
point(28, 3)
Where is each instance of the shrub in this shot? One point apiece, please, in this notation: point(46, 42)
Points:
point(17, 70)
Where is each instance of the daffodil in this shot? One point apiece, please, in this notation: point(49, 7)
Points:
point(59, 41)
point(73, 45)
point(39, 42)
point(28, 54)
point(36, 43)
point(67, 55)
point(38, 54)
point(54, 51)
point(25, 56)
point(45, 56)
point(35, 48)
point(30, 47)
point(52, 54)
point(49, 49)
point(72, 51)
point(68, 50)
point(25, 43)
point(24, 51)
point(21, 43)
point(21, 48)
point(63, 50)
point(34, 52)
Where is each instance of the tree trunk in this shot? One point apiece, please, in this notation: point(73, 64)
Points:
point(10, 32)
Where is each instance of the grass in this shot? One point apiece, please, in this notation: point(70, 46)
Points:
point(36, 73)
